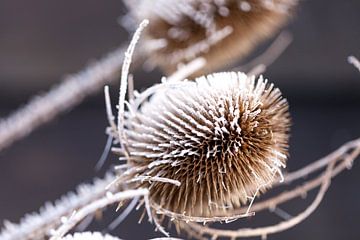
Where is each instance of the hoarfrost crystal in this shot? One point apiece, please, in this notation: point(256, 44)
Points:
point(223, 137)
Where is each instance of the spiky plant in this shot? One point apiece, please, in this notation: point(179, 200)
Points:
point(219, 30)
point(223, 137)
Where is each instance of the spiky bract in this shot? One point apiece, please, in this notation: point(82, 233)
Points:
point(223, 137)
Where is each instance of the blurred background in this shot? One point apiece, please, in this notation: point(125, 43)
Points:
point(43, 41)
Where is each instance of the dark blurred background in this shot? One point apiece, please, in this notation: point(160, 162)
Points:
point(42, 41)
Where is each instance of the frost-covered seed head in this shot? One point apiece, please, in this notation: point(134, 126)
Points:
point(222, 137)
point(219, 30)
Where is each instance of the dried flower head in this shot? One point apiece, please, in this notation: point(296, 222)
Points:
point(223, 137)
point(219, 30)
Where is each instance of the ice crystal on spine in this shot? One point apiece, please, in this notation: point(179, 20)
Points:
point(220, 31)
point(223, 137)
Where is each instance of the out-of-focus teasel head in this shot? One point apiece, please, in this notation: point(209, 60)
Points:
point(221, 31)
point(223, 137)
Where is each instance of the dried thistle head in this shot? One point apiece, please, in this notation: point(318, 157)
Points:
point(219, 30)
point(223, 137)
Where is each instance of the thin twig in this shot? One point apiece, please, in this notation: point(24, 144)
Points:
point(315, 166)
point(301, 190)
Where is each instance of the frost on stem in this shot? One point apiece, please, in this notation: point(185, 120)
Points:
point(94, 206)
point(38, 225)
point(43, 108)
point(220, 31)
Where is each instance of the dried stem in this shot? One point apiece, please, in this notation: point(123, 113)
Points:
point(60, 98)
point(302, 190)
point(93, 207)
point(38, 225)
point(313, 167)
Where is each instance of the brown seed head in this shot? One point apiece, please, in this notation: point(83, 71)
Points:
point(219, 30)
point(223, 137)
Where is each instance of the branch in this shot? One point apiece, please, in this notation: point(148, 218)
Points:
point(301, 190)
point(313, 167)
point(38, 225)
point(93, 207)
point(60, 98)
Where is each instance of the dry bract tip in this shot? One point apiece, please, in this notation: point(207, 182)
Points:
point(218, 30)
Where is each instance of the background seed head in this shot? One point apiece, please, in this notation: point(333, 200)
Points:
point(221, 136)
point(219, 30)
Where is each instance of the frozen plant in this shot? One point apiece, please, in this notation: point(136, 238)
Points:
point(156, 132)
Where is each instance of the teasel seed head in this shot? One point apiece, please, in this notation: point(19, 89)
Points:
point(221, 31)
point(224, 137)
